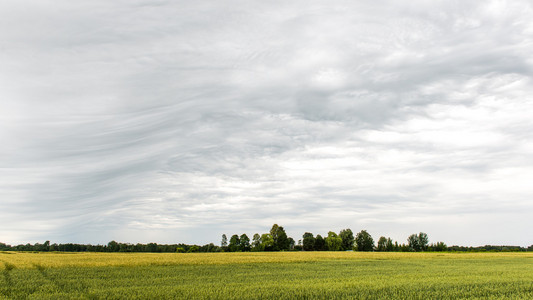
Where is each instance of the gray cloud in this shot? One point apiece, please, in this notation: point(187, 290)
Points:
point(176, 121)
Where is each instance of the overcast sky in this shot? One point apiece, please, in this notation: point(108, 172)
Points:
point(178, 121)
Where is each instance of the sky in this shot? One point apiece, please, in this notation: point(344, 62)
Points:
point(179, 121)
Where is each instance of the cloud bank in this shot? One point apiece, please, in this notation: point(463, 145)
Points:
point(174, 121)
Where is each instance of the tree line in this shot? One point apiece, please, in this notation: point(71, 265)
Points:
point(345, 240)
point(274, 240)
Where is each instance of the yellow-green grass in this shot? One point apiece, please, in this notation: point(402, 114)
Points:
point(286, 275)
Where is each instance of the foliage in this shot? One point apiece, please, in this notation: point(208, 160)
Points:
point(234, 243)
point(244, 243)
point(347, 239)
point(412, 240)
point(193, 249)
point(389, 245)
point(292, 243)
point(320, 243)
point(308, 242)
point(333, 242)
point(224, 242)
point(439, 246)
point(267, 242)
point(364, 241)
point(281, 241)
point(276, 240)
point(418, 242)
point(113, 246)
point(256, 243)
point(382, 244)
point(386, 244)
point(423, 241)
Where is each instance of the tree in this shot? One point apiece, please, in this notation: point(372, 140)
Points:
point(124, 248)
point(347, 239)
point(267, 242)
point(209, 248)
point(193, 249)
point(389, 246)
point(412, 240)
point(281, 241)
point(382, 244)
point(333, 242)
point(234, 243)
point(418, 242)
point(224, 242)
point(320, 244)
point(256, 243)
point(113, 246)
point(299, 246)
point(292, 243)
point(46, 246)
point(244, 243)
point(308, 242)
point(364, 241)
point(152, 247)
point(404, 248)
point(385, 244)
point(439, 246)
point(423, 241)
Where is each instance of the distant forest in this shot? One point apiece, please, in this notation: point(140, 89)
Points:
point(275, 240)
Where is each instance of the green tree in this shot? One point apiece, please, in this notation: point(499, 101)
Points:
point(389, 246)
point(281, 241)
point(46, 246)
point(267, 242)
point(382, 244)
point(404, 248)
point(412, 241)
point(113, 246)
point(234, 243)
point(333, 242)
point(423, 241)
point(209, 248)
point(124, 248)
point(193, 249)
point(439, 246)
point(292, 243)
point(418, 242)
point(308, 242)
point(347, 239)
point(320, 244)
point(152, 247)
point(299, 246)
point(244, 243)
point(364, 241)
point(256, 243)
point(224, 242)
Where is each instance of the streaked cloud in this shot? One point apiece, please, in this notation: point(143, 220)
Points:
point(173, 121)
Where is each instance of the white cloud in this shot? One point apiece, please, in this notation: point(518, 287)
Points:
point(178, 121)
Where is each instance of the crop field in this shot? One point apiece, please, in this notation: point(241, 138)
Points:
point(275, 275)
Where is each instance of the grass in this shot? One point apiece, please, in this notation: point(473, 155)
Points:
point(290, 275)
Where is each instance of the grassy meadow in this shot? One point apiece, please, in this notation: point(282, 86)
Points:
point(266, 275)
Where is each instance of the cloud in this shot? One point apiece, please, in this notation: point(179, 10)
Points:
point(177, 121)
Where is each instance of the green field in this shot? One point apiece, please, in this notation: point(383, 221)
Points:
point(282, 275)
